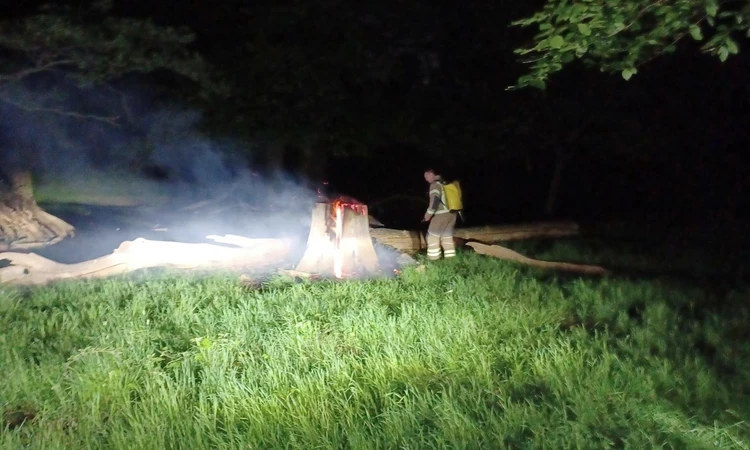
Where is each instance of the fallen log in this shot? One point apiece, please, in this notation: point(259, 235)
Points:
point(242, 241)
point(413, 241)
point(541, 230)
point(32, 269)
point(497, 251)
point(298, 274)
point(405, 241)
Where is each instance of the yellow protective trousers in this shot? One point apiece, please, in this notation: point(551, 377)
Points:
point(440, 236)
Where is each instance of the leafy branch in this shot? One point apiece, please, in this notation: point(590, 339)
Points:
point(623, 35)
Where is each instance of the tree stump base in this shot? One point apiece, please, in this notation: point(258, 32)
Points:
point(339, 242)
point(24, 225)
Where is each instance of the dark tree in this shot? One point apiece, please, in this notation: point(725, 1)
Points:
point(53, 55)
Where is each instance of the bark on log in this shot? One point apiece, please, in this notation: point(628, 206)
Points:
point(23, 224)
point(412, 242)
point(406, 241)
point(518, 232)
point(497, 251)
point(22, 184)
point(31, 269)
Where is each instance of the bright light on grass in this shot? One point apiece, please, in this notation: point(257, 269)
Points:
point(472, 353)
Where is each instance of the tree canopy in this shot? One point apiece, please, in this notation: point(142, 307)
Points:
point(623, 35)
point(84, 48)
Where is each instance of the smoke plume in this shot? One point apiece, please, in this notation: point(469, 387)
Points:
point(119, 164)
point(154, 170)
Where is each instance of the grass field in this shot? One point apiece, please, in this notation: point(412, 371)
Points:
point(469, 353)
point(102, 189)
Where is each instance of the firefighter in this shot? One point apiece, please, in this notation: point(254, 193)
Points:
point(442, 220)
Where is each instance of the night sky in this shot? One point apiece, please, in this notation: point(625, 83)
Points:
point(670, 144)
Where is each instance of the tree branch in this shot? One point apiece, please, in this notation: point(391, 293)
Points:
point(638, 16)
point(30, 71)
point(113, 120)
point(676, 40)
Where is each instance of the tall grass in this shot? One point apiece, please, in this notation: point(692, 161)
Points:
point(470, 353)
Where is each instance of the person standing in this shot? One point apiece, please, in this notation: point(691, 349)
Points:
point(442, 220)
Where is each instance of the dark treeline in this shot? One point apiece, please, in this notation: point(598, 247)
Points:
point(365, 96)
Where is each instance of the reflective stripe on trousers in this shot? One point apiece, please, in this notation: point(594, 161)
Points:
point(440, 236)
point(449, 246)
point(433, 247)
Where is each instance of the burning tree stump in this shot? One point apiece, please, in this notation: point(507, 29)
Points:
point(339, 242)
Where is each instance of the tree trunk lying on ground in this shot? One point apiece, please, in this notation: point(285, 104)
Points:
point(31, 269)
point(545, 230)
point(497, 251)
point(412, 242)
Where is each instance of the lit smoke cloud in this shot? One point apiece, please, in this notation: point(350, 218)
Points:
point(204, 185)
point(89, 158)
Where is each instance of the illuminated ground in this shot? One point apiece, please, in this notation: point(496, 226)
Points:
point(469, 353)
point(101, 229)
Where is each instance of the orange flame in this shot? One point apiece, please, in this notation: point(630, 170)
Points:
point(339, 222)
point(337, 217)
